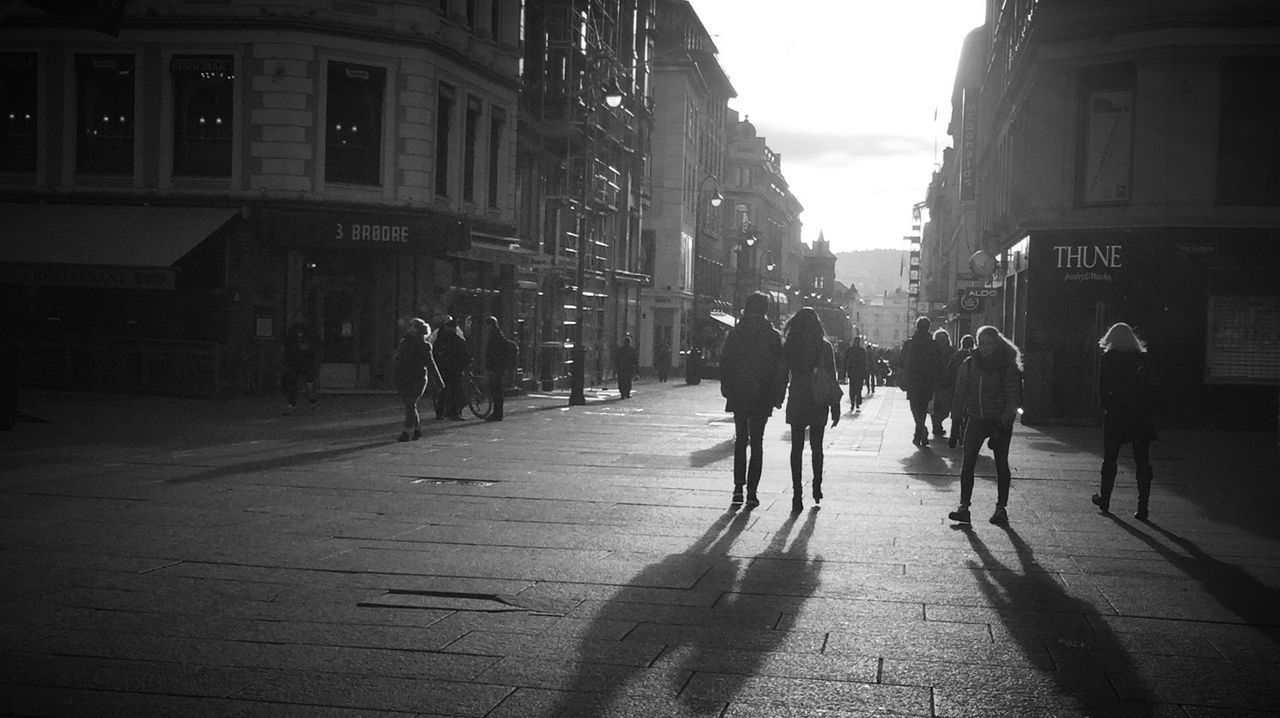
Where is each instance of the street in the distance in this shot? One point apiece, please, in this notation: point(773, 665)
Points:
point(185, 557)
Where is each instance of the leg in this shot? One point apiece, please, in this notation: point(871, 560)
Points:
point(1003, 434)
point(816, 433)
point(797, 465)
point(1110, 460)
point(1142, 456)
point(755, 431)
point(919, 408)
point(741, 437)
point(290, 382)
point(496, 395)
point(974, 435)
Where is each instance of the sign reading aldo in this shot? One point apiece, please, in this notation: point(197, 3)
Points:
point(971, 299)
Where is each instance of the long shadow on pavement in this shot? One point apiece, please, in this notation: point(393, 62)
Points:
point(929, 466)
point(1233, 587)
point(279, 462)
point(691, 644)
point(1014, 593)
point(711, 454)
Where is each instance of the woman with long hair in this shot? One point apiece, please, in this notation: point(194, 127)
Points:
point(1126, 390)
point(415, 372)
point(988, 390)
point(810, 360)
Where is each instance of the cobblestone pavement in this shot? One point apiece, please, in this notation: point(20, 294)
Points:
point(187, 558)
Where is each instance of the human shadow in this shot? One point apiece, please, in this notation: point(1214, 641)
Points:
point(604, 673)
point(1019, 595)
point(278, 462)
point(935, 469)
point(693, 638)
point(711, 454)
point(757, 613)
point(1231, 586)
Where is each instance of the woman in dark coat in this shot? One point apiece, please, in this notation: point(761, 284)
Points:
point(753, 381)
point(1125, 386)
point(415, 370)
point(988, 390)
point(804, 349)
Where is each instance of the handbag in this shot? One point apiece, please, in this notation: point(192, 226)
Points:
point(826, 388)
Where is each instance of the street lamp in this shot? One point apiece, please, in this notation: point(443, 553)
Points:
point(746, 255)
point(692, 363)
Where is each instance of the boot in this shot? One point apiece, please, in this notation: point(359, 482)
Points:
point(817, 489)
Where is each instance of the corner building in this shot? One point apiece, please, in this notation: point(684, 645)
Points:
point(178, 186)
point(1124, 171)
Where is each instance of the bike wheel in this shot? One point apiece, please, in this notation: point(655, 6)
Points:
point(480, 403)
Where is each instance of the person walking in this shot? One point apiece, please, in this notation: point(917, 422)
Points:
point(415, 373)
point(753, 381)
point(813, 395)
point(921, 364)
point(500, 356)
point(953, 367)
point(1127, 391)
point(626, 362)
point(301, 361)
point(987, 391)
point(453, 358)
point(941, 405)
point(855, 368)
point(662, 361)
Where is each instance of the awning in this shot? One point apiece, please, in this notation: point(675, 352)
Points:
point(725, 319)
point(105, 235)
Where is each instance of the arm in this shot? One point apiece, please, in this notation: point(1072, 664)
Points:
point(959, 402)
point(1012, 395)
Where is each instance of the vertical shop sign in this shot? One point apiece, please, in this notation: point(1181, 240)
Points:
point(1108, 154)
point(968, 142)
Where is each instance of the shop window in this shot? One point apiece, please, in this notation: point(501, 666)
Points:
point(1249, 132)
point(1105, 154)
point(18, 83)
point(496, 124)
point(445, 102)
point(353, 134)
point(471, 138)
point(495, 19)
point(105, 120)
point(203, 88)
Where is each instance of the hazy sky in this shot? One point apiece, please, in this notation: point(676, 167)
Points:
point(845, 91)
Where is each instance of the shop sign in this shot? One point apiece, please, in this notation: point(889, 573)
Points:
point(971, 299)
point(372, 230)
point(52, 275)
point(1088, 262)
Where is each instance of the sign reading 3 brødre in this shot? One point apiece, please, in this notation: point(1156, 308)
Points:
point(358, 232)
point(388, 231)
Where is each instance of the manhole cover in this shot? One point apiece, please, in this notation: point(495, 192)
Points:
point(444, 481)
point(444, 600)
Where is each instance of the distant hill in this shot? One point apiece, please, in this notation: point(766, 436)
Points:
point(873, 271)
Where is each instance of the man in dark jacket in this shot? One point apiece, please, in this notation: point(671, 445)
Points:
point(753, 380)
point(855, 367)
point(500, 355)
point(301, 360)
point(626, 362)
point(452, 357)
point(922, 363)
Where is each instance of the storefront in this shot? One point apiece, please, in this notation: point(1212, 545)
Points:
point(1205, 301)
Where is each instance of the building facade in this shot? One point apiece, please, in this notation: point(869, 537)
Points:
point(682, 230)
point(182, 189)
point(1130, 179)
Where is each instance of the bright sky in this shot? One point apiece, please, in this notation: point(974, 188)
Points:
point(860, 158)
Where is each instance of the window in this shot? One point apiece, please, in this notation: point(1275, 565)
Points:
point(353, 134)
point(471, 14)
point(1249, 132)
point(495, 153)
point(444, 120)
point(495, 19)
point(18, 83)
point(472, 131)
point(202, 119)
point(105, 119)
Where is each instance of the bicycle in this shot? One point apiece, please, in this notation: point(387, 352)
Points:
point(476, 390)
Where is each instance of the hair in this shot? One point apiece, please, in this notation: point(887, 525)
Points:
point(923, 324)
point(1120, 337)
point(757, 303)
point(803, 336)
point(1006, 347)
point(942, 334)
point(419, 325)
point(967, 341)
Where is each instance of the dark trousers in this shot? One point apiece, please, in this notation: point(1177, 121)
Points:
point(624, 384)
point(410, 397)
point(976, 432)
point(816, 432)
point(748, 432)
point(1110, 460)
point(495, 394)
point(299, 374)
point(919, 401)
point(450, 400)
point(855, 389)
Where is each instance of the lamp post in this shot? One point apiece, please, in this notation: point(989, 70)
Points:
point(612, 97)
point(693, 360)
point(745, 251)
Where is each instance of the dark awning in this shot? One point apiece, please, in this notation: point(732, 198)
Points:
point(105, 235)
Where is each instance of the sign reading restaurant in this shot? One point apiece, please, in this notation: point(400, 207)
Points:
point(369, 229)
